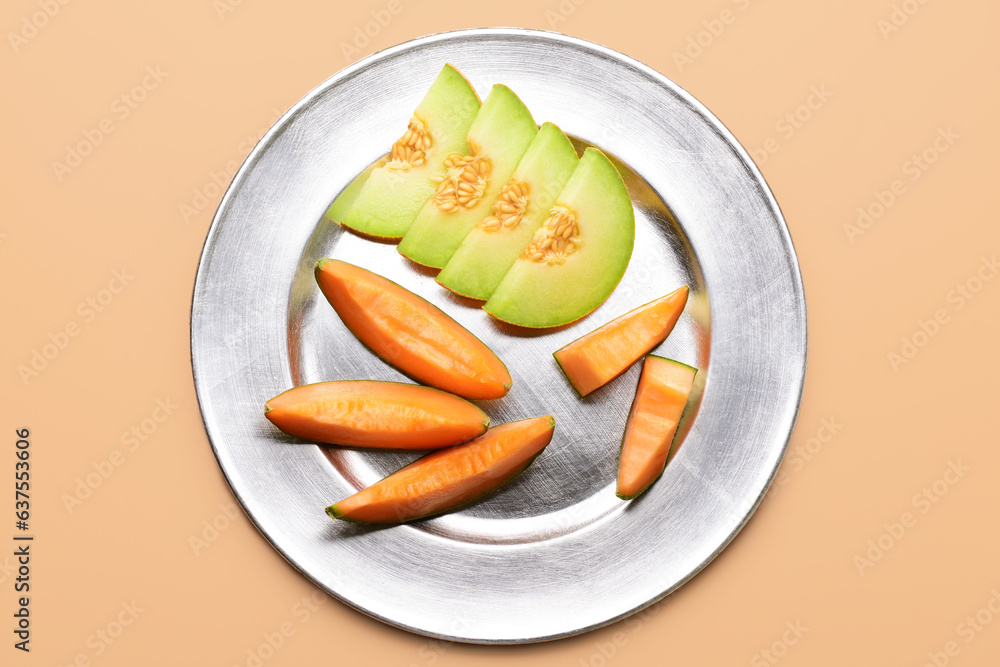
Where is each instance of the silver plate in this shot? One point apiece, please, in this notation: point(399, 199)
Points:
point(555, 552)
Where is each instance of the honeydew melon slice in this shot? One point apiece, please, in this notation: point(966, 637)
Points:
point(577, 256)
point(489, 250)
point(500, 134)
point(393, 194)
point(345, 200)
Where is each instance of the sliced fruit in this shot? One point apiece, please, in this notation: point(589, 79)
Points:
point(449, 478)
point(392, 195)
point(664, 387)
point(597, 358)
point(577, 256)
point(345, 200)
point(386, 415)
point(489, 250)
point(410, 333)
point(498, 138)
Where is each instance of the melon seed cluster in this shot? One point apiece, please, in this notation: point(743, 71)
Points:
point(410, 150)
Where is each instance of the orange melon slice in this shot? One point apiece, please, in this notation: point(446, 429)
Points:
point(449, 478)
point(663, 391)
point(410, 333)
point(602, 355)
point(386, 415)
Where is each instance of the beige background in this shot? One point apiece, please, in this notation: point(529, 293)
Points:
point(845, 549)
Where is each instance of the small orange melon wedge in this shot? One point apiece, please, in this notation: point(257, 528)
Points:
point(593, 360)
point(663, 391)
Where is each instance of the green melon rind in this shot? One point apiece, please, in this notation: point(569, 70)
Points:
point(503, 129)
point(673, 442)
point(539, 295)
point(480, 263)
point(391, 198)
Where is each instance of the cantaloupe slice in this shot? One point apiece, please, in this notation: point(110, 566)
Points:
point(385, 415)
point(577, 257)
point(498, 137)
point(393, 194)
point(489, 250)
point(663, 391)
point(449, 478)
point(410, 333)
point(597, 358)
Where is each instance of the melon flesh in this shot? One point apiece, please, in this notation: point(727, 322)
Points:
point(663, 391)
point(410, 333)
point(500, 134)
point(345, 200)
point(592, 229)
point(597, 358)
point(489, 250)
point(369, 413)
point(449, 478)
point(393, 194)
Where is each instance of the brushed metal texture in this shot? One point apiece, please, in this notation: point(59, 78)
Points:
point(555, 552)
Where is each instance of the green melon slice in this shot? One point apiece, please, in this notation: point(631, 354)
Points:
point(577, 257)
point(393, 194)
point(489, 250)
point(499, 136)
point(345, 200)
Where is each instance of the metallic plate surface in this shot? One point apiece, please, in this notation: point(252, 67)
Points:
point(555, 552)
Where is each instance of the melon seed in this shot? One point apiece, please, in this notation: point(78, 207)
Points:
point(465, 182)
point(556, 239)
point(509, 208)
point(410, 150)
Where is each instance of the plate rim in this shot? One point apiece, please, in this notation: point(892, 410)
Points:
point(697, 107)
